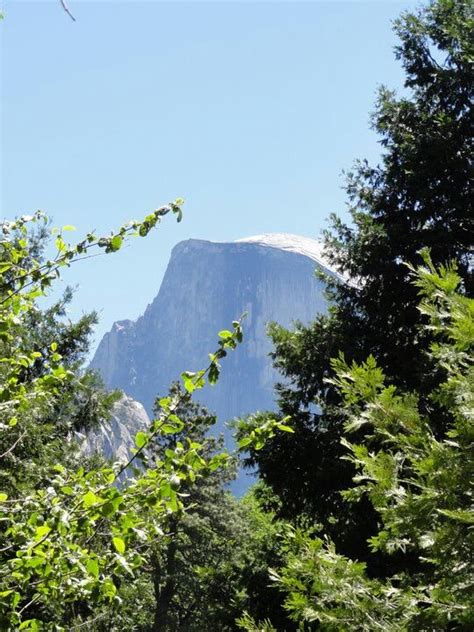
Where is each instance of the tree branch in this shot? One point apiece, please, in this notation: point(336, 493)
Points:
point(11, 448)
point(66, 8)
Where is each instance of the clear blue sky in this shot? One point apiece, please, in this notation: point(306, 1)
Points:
point(250, 111)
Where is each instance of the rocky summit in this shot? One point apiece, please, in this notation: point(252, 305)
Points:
point(207, 285)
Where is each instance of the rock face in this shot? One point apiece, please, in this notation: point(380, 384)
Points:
point(115, 437)
point(206, 286)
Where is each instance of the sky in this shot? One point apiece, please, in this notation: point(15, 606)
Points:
point(250, 111)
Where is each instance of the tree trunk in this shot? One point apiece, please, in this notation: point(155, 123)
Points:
point(164, 585)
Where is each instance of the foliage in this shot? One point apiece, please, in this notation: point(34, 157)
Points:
point(419, 485)
point(420, 195)
point(79, 402)
point(246, 622)
point(212, 567)
point(199, 540)
point(75, 534)
point(211, 563)
point(72, 537)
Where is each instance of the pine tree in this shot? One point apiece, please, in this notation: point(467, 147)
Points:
point(420, 195)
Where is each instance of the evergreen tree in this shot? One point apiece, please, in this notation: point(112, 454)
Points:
point(212, 562)
point(419, 485)
point(419, 196)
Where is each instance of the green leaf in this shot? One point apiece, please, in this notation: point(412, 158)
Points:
point(225, 334)
point(119, 544)
point(460, 515)
point(42, 530)
point(93, 568)
point(244, 442)
point(90, 499)
point(111, 507)
point(188, 381)
point(140, 439)
point(69, 227)
point(60, 244)
point(3, 497)
point(189, 385)
point(34, 562)
point(165, 402)
point(116, 243)
point(284, 428)
point(168, 429)
point(108, 588)
point(30, 624)
point(213, 374)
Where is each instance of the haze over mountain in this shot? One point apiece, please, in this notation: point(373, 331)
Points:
point(207, 284)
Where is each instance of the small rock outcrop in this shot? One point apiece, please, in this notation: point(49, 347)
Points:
point(115, 437)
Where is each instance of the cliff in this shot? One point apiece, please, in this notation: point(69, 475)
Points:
point(206, 286)
point(115, 437)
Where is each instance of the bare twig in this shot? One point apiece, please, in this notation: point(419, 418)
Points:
point(11, 448)
point(66, 8)
point(30, 603)
point(89, 621)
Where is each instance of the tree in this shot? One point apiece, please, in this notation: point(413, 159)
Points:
point(211, 563)
point(69, 541)
point(419, 485)
point(420, 195)
point(80, 402)
point(201, 537)
point(43, 520)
